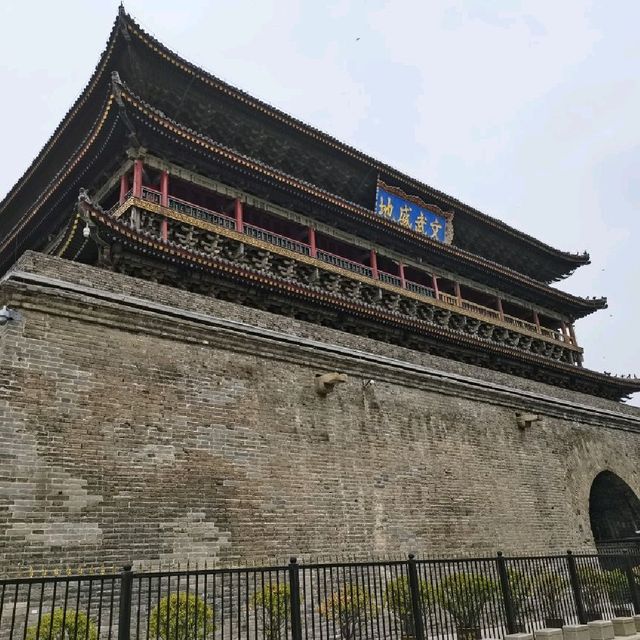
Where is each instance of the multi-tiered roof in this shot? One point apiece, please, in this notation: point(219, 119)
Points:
point(188, 180)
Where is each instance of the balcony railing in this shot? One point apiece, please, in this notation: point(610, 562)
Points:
point(151, 195)
point(344, 263)
point(478, 308)
point(419, 288)
point(277, 239)
point(195, 211)
point(551, 333)
point(523, 324)
point(189, 209)
point(449, 299)
point(389, 278)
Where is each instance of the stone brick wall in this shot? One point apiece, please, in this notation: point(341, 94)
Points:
point(138, 422)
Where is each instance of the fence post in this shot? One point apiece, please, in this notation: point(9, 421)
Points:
point(416, 598)
point(507, 596)
point(575, 587)
point(124, 607)
point(633, 587)
point(294, 589)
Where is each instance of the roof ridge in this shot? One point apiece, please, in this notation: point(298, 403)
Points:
point(133, 98)
point(244, 96)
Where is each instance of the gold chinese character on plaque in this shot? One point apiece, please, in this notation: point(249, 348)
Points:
point(405, 219)
point(386, 210)
point(435, 227)
point(420, 223)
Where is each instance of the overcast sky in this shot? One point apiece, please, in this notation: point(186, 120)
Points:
point(527, 110)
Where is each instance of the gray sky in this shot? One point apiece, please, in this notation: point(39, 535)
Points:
point(527, 110)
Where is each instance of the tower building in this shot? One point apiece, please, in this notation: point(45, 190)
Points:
point(209, 273)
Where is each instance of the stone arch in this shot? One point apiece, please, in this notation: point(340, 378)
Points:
point(614, 510)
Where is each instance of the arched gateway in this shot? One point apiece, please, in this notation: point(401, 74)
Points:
point(614, 510)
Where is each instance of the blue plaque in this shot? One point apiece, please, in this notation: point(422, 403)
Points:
point(412, 213)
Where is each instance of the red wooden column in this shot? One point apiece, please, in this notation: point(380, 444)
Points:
point(137, 178)
point(239, 216)
point(403, 281)
point(313, 252)
point(572, 333)
point(374, 264)
point(164, 201)
point(536, 319)
point(456, 288)
point(164, 189)
point(565, 333)
point(500, 309)
point(434, 282)
point(124, 187)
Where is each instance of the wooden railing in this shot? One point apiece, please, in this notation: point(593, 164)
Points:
point(151, 195)
point(518, 322)
point(552, 333)
point(449, 299)
point(277, 239)
point(389, 278)
point(420, 288)
point(478, 308)
point(190, 209)
point(344, 263)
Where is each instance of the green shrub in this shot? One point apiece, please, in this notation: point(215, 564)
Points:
point(397, 598)
point(348, 607)
point(617, 585)
point(521, 586)
point(592, 582)
point(550, 588)
point(273, 603)
point(181, 616)
point(464, 596)
point(63, 626)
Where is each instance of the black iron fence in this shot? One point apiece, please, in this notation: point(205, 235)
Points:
point(467, 599)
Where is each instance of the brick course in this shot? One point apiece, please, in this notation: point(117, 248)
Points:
point(131, 433)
